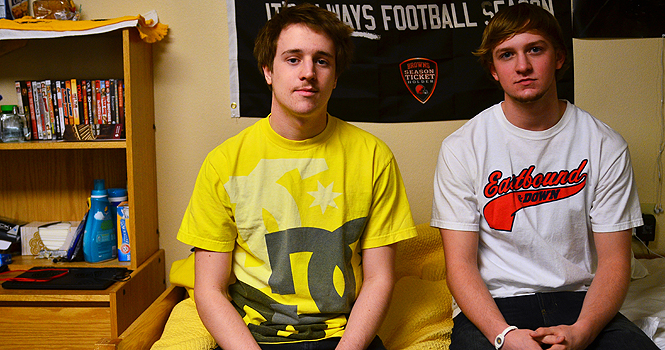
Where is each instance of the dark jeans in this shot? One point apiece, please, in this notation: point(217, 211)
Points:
point(325, 344)
point(546, 310)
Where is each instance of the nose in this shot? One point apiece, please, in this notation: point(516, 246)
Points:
point(307, 70)
point(523, 64)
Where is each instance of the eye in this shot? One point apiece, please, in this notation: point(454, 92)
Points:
point(292, 60)
point(505, 55)
point(322, 62)
point(536, 49)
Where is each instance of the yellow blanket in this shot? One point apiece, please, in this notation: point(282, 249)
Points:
point(419, 318)
point(420, 314)
point(184, 330)
point(148, 26)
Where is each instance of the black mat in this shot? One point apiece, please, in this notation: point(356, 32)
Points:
point(78, 278)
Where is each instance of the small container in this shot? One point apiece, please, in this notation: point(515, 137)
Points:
point(3, 10)
point(12, 123)
point(99, 239)
point(117, 196)
point(124, 246)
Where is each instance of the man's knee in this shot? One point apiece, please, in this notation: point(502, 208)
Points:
point(621, 333)
point(466, 336)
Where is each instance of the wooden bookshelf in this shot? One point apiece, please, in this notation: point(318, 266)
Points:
point(52, 180)
point(63, 145)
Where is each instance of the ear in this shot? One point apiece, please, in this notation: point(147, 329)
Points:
point(560, 59)
point(267, 74)
point(493, 72)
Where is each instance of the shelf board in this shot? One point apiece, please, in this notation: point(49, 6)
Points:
point(34, 145)
point(25, 262)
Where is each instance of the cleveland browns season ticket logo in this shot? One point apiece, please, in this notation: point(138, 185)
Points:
point(420, 75)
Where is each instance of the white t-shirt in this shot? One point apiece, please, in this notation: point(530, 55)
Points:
point(535, 197)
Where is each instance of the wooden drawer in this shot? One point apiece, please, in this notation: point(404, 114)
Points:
point(77, 319)
point(53, 327)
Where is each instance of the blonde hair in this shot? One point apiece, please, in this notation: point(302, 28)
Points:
point(516, 19)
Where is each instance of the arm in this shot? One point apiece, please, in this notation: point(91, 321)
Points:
point(604, 297)
point(471, 293)
point(373, 300)
point(213, 276)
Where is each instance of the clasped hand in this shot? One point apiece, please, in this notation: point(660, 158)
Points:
point(553, 338)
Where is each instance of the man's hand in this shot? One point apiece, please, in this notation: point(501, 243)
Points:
point(603, 299)
point(520, 339)
point(562, 337)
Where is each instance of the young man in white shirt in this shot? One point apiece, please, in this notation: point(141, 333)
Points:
point(536, 200)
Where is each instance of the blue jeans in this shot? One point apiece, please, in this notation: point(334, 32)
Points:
point(325, 344)
point(546, 310)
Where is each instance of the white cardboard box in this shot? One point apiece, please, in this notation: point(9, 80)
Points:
point(31, 243)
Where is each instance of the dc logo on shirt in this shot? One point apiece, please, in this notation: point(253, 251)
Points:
point(517, 192)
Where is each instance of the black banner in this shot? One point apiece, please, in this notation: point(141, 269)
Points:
point(412, 61)
point(619, 19)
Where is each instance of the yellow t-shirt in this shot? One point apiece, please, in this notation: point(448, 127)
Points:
point(296, 215)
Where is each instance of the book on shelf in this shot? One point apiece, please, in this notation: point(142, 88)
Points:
point(48, 107)
point(31, 104)
point(19, 97)
point(89, 103)
point(41, 127)
point(113, 95)
point(64, 119)
point(98, 95)
point(105, 103)
point(83, 102)
point(93, 107)
point(63, 103)
point(74, 100)
point(53, 106)
point(39, 108)
point(59, 122)
point(24, 103)
point(68, 101)
point(121, 101)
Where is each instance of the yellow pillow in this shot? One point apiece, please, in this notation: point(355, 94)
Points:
point(420, 313)
point(420, 316)
point(184, 330)
point(182, 274)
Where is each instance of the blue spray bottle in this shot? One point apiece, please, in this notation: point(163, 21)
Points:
point(99, 238)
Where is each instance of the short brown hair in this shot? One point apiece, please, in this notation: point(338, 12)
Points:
point(318, 19)
point(516, 19)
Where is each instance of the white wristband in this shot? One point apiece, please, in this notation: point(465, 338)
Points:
point(500, 339)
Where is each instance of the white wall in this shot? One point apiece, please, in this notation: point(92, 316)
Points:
point(618, 80)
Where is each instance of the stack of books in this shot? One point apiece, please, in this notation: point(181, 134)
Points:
point(50, 106)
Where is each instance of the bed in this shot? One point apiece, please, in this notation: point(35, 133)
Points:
point(429, 327)
point(645, 302)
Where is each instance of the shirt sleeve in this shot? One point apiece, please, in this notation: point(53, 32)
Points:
point(455, 205)
point(390, 219)
point(616, 205)
point(208, 221)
